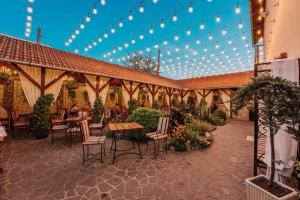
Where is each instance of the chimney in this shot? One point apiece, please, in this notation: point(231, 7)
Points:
point(39, 36)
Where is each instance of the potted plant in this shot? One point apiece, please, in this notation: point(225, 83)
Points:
point(280, 105)
point(132, 106)
point(98, 110)
point(71, 87)
point(41, 120)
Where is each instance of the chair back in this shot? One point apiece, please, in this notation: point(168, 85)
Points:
point(107, 113)
point(102, 119)
point(85, 129)
point(163, 125)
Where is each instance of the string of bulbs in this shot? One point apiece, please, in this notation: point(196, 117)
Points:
point(29, 18)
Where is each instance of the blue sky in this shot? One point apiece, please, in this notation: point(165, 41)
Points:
point(197, 52)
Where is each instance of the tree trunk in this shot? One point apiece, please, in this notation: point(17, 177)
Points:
point(272, 158)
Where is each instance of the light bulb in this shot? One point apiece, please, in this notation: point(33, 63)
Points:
point(95, 11)
point(100, 40)
point(210, 37)
point(174, 18)
point(151, 30)
point(28, 24)
point(188, 32)
point(95, 43)
point(113, 30)
point(87, 19)
point(121, 24)
point(105, 35)
point(29, 18)
point(141, 9)
point(29, 10)
point(132, 41)
point(73, 36)
point(237, 9)
point(82, 26)
point(141, 37)
point(67, 44)
point(120, 48)
point(165, 42)
point(198, 42)
point(126, 45)
point(202, 26)
point(240, 25)
point(103, 2)
point(154, 1)
point(176, 37)
point(130, 17)
point(218, 19)
point(30, 1)
point(224, 32)
point(162, 24)
point(76, 51)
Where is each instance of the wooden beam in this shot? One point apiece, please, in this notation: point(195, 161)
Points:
point(97, 86)
point(20, 70)
point(107, 83)
point(202, 95)
point(150, 90)
point(88, 82)
point(55, 80)
point(155, 92)
point(130, 90)
point(134, 90)
point(184, 94)
point(124, 85)
point(43, 80)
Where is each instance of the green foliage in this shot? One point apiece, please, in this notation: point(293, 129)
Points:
point(191, 104)
point(155, 105)
point(98, 110)
point(197, 141)
point(176, 117)
point(203, 110)
point(174, 103)
point(71, 87)
point(219, 114)
point(280, 99)
point(117, 89)
point(132, 105)
point(182, 106)
point(41, 112)
point(200, 127)
point(147, 117)
point(215, 120)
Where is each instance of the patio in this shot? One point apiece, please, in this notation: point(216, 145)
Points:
point(35, 169)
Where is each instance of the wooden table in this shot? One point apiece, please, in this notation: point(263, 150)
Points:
point(121, 128)
point(3, 134)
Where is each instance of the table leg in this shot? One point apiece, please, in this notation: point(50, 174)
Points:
point(138, 144)
point(115, 148)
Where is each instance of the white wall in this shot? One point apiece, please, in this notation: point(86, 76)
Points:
point(283, 35)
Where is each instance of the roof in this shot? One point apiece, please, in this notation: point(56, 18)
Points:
point(218, 81)
point(24, 52)
point(20, 51)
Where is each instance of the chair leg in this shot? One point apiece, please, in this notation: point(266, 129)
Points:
point(88, 151)
point(166, 141)
point(104, 147)
point(101, 153)
point(154, 146)
point(83, 154)
point(147, 146)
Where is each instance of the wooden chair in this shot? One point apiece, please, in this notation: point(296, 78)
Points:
point(90, 140)
point(98, 126)
point(55, 128)
point(18, 123)
point(160, 134)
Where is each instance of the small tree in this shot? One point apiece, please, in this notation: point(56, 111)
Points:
point(71, 88)
point(191, 104)
point(280, 105)
point(98, 110)
point(174, 103)
point(140, 62)
point(41, 112)
point(132, 105)
point(203, 110)
point(182, 106)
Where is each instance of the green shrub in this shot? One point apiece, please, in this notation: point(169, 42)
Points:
point(203, 110)
point(176, 117)
point(220, 114)
point(41, 112)
point(182, 106)
point(216, 120)
point(191, 104)
point(132, 105)
point(98, 110)
point(200, 127)
point(178, 138)
point(174, 103)
point(147, 117)
point(156, 105)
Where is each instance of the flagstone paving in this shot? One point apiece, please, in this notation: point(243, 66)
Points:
point(35, 169)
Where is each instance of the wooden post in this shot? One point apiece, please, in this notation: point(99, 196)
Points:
point(158, 62)
point(43, 79)
point(130, 89)
point(97, 86)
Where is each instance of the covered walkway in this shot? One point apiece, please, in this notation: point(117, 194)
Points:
point(35, 169)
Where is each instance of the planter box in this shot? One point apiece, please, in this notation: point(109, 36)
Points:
point(254, 192)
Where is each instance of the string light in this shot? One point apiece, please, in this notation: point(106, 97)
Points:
point(190, 9)
point(151, 30)
point(28, 24)
point(202, 26)
point(120, 23)
point(237, 9)
point(95, 11)
point(174, 18)
point(154, 1)
point(188, 32)
point(130, 17)
point(103, 2)
point(141, 9)
point(240, 25)
point(218, 19)
point(87, 19)
point(141, 37)
point(162, 24)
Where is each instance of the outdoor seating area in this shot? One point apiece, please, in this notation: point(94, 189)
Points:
point(150, 100)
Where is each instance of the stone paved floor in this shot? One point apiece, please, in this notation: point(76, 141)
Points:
point(35, 169)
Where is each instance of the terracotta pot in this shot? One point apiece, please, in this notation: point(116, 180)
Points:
point(255, 192)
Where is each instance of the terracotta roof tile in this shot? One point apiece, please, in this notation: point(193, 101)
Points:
point(21, 51)
point(218, 81)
